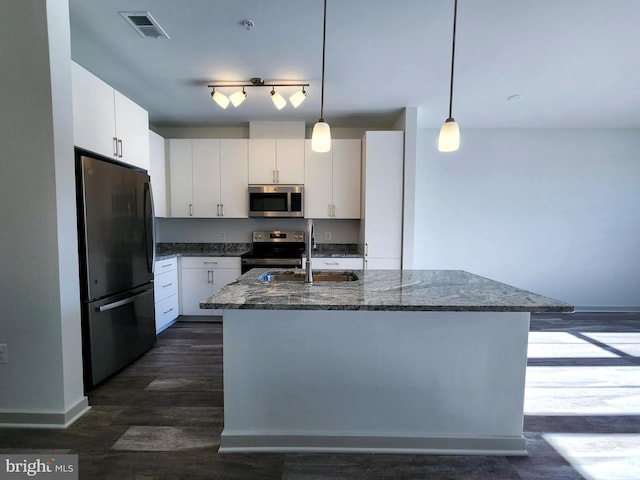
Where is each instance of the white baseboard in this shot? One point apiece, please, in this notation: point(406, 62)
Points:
point(231, 442)
point(43, 419)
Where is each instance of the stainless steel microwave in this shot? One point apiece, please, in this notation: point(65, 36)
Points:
point(276, 201)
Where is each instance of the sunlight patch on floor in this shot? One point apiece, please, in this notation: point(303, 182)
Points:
point(600, 456)
point(582, 391)
point(563, 345)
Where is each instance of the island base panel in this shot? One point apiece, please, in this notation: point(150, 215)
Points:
point(431, 382)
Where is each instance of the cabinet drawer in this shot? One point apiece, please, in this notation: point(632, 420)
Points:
point(337, 263)
point(210, 262)
point(166, 265)
point(166, 312)
point(165, 285)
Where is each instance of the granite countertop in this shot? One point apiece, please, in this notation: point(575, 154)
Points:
point(391, 290)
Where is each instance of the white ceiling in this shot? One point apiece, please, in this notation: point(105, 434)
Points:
point(575, 61)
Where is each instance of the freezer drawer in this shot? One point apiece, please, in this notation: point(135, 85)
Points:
point(116, 331)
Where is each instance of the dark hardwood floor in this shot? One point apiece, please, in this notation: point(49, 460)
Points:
point(161, 417)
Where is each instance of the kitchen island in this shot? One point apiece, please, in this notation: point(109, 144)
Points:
point(411, 361)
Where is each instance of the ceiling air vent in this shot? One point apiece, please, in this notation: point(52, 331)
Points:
point(144, 24)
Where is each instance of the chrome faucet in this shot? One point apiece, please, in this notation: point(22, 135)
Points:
point(311, 243)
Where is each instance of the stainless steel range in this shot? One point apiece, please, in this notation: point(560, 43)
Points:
point(275, 249)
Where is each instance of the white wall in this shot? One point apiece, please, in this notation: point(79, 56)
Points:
point(552, 211)
point(39, 292)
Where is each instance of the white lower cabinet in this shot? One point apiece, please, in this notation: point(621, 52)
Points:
point(201, 277)
point(334, 263)
point(165, 292)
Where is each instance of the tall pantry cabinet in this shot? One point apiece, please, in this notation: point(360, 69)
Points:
point(382, 195)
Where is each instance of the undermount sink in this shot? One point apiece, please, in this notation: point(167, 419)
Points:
point(318, 276)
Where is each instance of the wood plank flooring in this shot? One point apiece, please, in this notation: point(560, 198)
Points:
point(161, 417)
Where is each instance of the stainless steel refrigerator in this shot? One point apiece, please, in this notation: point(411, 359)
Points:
point(116, 244)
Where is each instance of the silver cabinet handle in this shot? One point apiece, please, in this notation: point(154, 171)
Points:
point(191, 209)
point(366, 249)
point(165, 265)
point(210, 263)
point(209, 276)
point(331, 263)
point(167, 311)
point(120, 147)
point(333, 213)
point(218, 209)
point(273, 176)
point(167, 285)
point(329, 209)
point(115, 146)
point(222, 209)
point(278, 176)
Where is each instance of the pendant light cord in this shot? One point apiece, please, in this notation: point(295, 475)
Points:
point(453, 54)
point(324, 37)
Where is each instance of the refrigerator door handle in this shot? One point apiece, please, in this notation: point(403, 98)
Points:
point(149, 228)
point(126, 301)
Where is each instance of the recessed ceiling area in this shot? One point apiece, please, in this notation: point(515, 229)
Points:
point(574, 62)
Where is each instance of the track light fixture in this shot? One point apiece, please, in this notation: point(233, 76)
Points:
point(239, 96)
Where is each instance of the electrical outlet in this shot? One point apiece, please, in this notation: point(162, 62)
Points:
point(222, 235)
point(4, 353)
point(327, 235)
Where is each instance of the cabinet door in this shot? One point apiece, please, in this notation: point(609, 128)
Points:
point(262, 161)
point(234, 178)
point(318, 180)
point(346, 178)
point(93, 114)
point(196, 284)
point(206, 177)
point(132, 131)
point(290, 161)
point(180, 186)
point(383, 194)
point(157, 172)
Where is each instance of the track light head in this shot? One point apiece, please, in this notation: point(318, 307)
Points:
point(238, 97)
point(278, 100)
point(297, 98)
point(220, 99)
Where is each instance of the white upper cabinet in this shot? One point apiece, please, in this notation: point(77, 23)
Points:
point(382, 191)
point(276, 161)
point(208, 178)
point(332, 180)
point(180, 178)
point(157, 172)
point(234, 175)
point(107, 122)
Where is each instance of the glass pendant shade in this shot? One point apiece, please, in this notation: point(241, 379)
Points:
point(278, 100)
point(449, 139)
point(238, 97)
point(297, 98)
point(321, 137)
point(220, 99)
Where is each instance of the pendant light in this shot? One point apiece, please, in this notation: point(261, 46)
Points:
point(449, 139)
point(321, 136)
